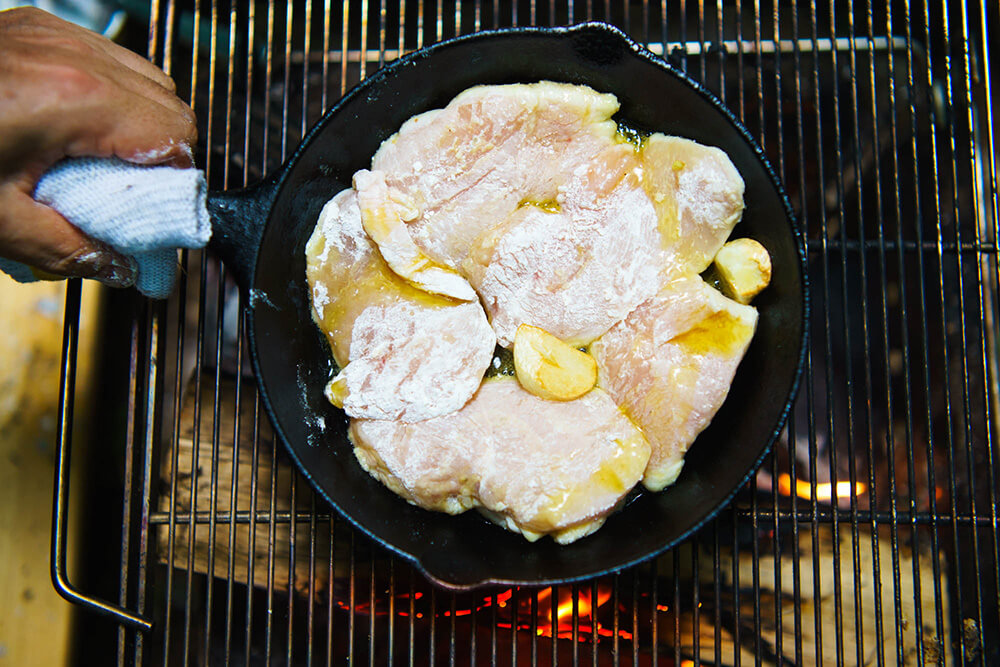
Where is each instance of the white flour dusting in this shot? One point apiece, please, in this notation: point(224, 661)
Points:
point(340, 227)
point(578, 271)
point(301, 372)
point(412, 363)
point(158, 154)
point(258, 297)
point(320, 299)
point(704, 195)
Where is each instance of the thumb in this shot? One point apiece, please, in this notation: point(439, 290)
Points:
point(53, 246)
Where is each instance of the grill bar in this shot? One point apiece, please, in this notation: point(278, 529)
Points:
point(956, 555)
point(935, 542)
point(796, 567)
point(779, 132)
point(977, 213)
point(823, 516)
point(906, 349)
point(127, 489)
point(811, 402)
point(984, 304)
point(993, 230)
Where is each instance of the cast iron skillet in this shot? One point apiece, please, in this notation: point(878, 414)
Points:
point(261, 233)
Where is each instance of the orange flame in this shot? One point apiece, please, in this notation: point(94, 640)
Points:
point(518, 615)
point(586, 610)
point(825, 491)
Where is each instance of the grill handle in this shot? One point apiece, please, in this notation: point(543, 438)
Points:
point(60, 512)
point(238, 221)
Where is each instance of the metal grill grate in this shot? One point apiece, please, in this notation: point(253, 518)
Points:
point(871, 534)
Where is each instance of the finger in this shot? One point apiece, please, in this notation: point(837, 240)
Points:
point(134, 62)
point(157, 128)
point(63, 31)
point(132, 123)
point(110, 70)
point(161, 126)
point(150, 135)
point(90, 104)
point(92, 82)
point(41, 238)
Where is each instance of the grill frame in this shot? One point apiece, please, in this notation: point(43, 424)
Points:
point(955, 71)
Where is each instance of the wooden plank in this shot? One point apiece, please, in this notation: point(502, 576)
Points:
point(34, 620)
point(214, 549)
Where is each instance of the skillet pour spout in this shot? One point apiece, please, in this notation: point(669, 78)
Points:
point(260, 233)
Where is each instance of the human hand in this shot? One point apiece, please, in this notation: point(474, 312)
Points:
point(68, 92)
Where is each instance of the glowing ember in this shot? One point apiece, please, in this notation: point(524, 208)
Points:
point(562, 626)
point(504, 597)
point(825, 491)
point(591, 619)
point(586, 611)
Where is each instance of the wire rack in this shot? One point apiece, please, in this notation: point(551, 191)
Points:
point(869, 536)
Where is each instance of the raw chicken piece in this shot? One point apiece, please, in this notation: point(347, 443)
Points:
point(535, 466)
point(404, 353)
point(577, 269)
point(467, 167)
point(382, 219)
point(669, 366)
point(529, 192)
point(698, 195)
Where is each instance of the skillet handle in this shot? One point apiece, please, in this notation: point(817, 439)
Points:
point(238, 220)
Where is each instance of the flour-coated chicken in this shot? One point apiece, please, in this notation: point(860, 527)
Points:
point(528, 195)
point(698, 194)
point(576, 268)
point(535, 466)
point(669, 365)
point(404, 353)
point(465, 168)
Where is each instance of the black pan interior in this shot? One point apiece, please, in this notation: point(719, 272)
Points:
point(293, 364)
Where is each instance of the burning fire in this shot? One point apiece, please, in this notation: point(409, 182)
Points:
point(517, 614)
point(587, 623)
point(825, 491)
point(585, 607)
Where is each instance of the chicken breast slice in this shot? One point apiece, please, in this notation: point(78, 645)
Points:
point(579, 266)
point(698, 194)
point(467, 167)
point(535, 466)
point(382, 219)
point(404, 353)
point(669, 366)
